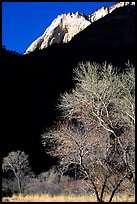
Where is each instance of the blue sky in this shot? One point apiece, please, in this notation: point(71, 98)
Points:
point(23, 22)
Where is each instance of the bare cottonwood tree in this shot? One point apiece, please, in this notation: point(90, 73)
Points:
point(17, 162)
point(97, 132)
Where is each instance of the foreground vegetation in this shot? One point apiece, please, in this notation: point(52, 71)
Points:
point(94, 141)
point(96, 135)
point(62, 198)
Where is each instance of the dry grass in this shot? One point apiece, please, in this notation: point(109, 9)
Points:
point(61, 198)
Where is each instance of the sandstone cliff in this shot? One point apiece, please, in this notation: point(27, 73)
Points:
point(66, 26)
point(62, 29)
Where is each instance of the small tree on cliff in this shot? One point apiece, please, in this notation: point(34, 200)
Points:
point(97, 131)
point(17, 162)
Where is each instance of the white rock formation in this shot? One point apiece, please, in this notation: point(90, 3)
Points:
point(62, 29)
point(65, 26)
point(100, 13)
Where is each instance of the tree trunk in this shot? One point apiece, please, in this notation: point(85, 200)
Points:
point(19, 184)
point(115, 189)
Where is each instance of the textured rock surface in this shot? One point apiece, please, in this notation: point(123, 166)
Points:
point(66, 26)
point(106, 10)
point(62, 29)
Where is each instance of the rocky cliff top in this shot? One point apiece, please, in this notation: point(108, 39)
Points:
point(66, 26)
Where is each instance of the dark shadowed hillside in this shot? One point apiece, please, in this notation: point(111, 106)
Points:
point(33, 82)
point(111, 38)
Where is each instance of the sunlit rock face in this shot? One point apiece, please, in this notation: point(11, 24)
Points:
point(62, 29)
point(100, 13)
point(66, 26)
